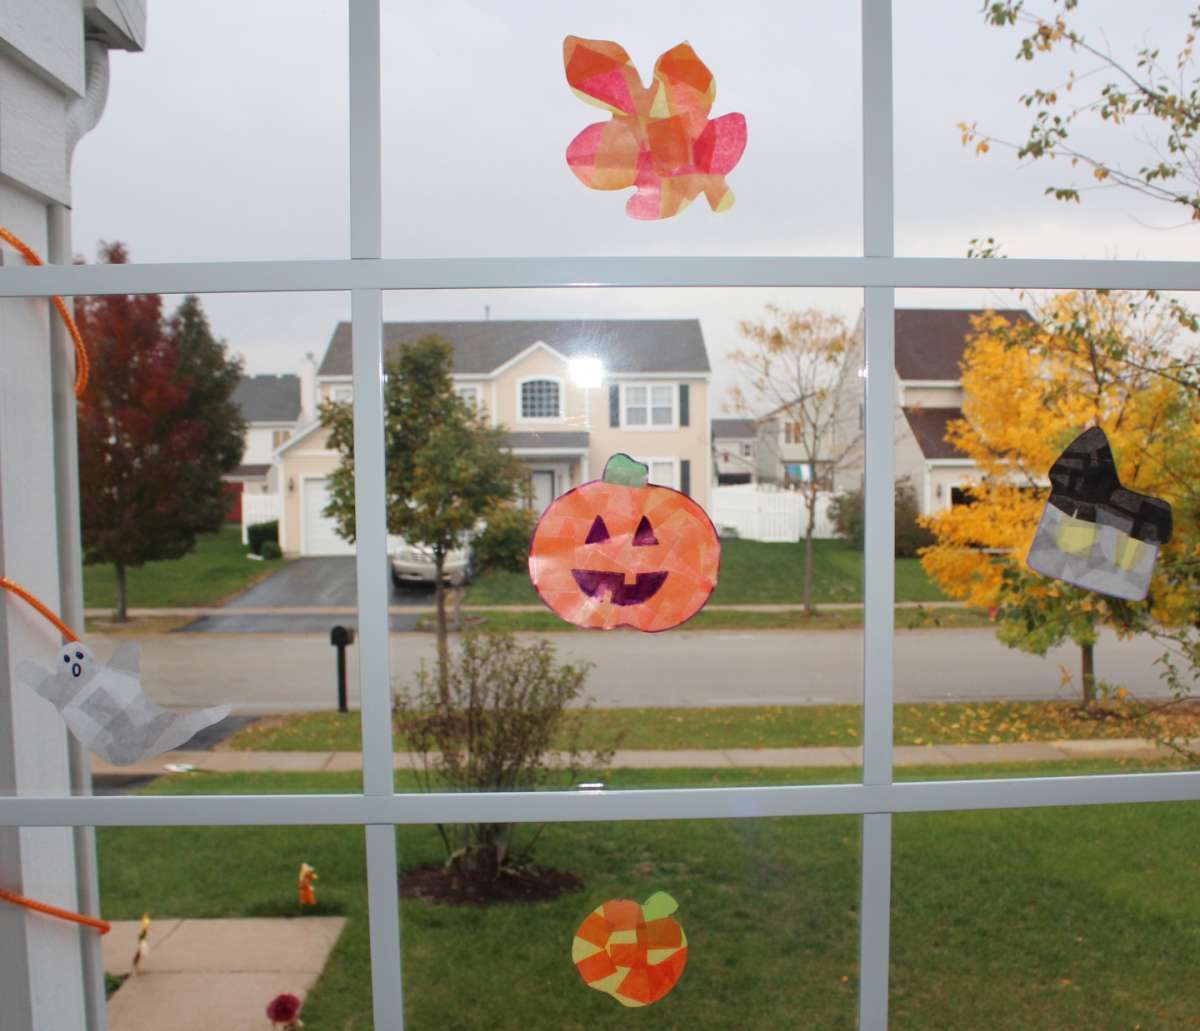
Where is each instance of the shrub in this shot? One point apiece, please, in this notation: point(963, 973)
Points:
point(507, 710)
point(271, 549)
point(258, 533)
point(848, 516)
point(504, 545)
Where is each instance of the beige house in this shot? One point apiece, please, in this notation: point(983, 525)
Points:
point(569, 393)
point(929, 395)
point(735, 447)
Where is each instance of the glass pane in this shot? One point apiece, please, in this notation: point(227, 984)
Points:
point(193, 161)
point(1043, 918)
point(512, 120)
point(635, 395)
point(231, 928)
point(1040, 448)
point(767, 908)
point(960, 180)
point(234, 576)
point(635, 416)
point(785, 703)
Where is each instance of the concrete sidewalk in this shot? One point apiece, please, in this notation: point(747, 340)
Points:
point(206, 974)
point(231, 612)
point(905, 755)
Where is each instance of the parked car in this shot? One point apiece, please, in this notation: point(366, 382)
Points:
point(413, 563)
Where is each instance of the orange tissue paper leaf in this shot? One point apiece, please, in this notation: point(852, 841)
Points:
point(660, 139)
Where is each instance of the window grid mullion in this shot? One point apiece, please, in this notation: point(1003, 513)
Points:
point(370, 506)
point(879, 514)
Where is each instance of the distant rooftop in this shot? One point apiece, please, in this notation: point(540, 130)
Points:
point(269, 398)
point(930, 341)
point(733, 428)
point(623, 345)
point(928, 426)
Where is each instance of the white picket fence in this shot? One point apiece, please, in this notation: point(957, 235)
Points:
point(759, 512)
point(258, 508)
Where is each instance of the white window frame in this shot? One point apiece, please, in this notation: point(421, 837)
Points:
point(378, 809)
point(649, 385)
point(674, 463)
point(475, 391)
point(522, 417)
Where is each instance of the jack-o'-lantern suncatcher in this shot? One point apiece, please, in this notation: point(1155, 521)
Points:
point(619, 551)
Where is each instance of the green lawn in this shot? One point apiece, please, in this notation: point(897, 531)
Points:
point(780, 726)
point(217, 569)
point(755, 573)
point(1051, 918)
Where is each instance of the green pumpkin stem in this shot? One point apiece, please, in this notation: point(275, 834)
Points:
point(625, 471)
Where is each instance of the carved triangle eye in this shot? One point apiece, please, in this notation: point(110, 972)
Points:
point(598, 532)
point(644, 534)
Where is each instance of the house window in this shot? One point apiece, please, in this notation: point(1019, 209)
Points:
point(341, 395)
point(541, 399)
point(792, 433)
point(663, 471)
point(747, 449)
point(648, 404)
point(278, 437)
point(469, 394)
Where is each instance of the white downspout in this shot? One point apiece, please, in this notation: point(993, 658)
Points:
point(81, 117)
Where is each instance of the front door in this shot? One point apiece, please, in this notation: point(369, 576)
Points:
point(542, 489)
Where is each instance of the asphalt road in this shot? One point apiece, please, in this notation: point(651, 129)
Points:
point(260, 673)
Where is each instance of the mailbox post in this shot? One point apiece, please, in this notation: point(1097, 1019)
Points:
point(339, 637)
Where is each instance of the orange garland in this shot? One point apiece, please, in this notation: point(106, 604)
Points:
point(82, 365)
point(103, 926)
point(25, 596)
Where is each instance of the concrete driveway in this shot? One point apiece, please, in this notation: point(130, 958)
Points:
point(328, 583)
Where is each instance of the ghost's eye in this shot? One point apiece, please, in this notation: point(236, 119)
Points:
point(66, 658)
point(644, 534)
point(79, 655)
point(598, 532)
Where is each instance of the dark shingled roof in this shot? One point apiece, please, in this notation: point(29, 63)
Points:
point(929, 427)
point(930, 341)
point(623, 345)
point(269, 398)
point(733, 428)
point(254, 469)
point(547, 440)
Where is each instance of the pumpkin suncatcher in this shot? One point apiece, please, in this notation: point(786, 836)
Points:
point(619, 551)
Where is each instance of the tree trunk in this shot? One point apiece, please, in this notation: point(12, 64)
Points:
point(121, 616)
point(1088, 662)
point(809, 530)
point(443, 638)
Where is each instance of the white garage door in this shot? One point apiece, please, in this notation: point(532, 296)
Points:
point(320, 537)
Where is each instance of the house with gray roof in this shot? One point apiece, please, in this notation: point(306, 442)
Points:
point(272, 405)
point(569, 393)
point(930, 343)
point(734, 450)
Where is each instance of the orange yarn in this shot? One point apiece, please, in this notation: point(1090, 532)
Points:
point(103, 926)
point(25, 596)
point(82, 364)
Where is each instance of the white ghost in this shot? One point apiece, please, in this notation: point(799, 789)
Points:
point(106, 708)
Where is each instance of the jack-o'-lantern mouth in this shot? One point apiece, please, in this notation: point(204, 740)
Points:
point(596, 583)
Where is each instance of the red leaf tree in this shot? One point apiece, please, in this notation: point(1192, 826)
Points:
point(157, 428)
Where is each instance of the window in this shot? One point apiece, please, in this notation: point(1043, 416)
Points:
point(793, 433)
point(278, 437)
point(874, 800)
point(747, 449)
point(541, 399)
point(649, 404)
point(469, 393)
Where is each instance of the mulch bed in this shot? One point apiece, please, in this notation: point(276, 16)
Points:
point(526, 884)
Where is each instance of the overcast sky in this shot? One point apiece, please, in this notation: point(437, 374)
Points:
point(227, 139)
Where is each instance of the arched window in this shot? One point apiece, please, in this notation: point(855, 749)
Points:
point(541, 399)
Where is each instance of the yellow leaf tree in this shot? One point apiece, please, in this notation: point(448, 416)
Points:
point(1108, 360)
